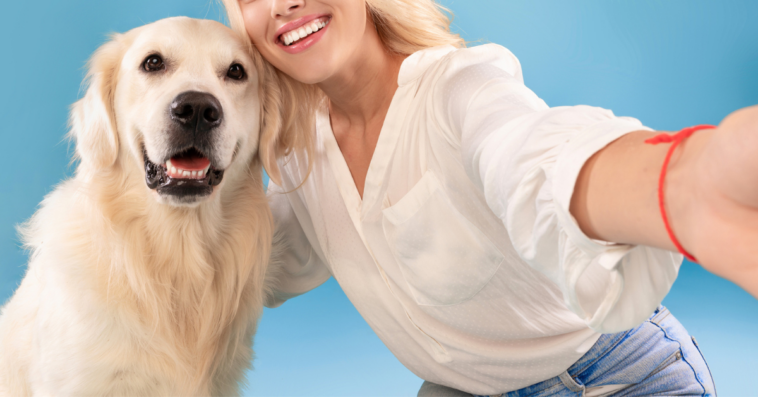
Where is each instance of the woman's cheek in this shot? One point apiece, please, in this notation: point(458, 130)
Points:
point(255, 23)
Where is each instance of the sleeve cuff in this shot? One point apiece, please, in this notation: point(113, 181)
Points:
point(570, 162)
point(630, 294)
point(288, 288)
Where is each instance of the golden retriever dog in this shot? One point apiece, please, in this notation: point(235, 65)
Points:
point(148, 267)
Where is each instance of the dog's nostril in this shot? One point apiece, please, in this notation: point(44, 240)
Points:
point(211, 114)
point(185, 111)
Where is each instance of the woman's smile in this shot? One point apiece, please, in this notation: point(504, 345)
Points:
point(301, 34)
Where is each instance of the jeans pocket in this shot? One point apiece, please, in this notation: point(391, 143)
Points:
point(688, 352)
point(674, 357)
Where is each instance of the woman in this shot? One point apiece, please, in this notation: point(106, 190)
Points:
point(471, 225)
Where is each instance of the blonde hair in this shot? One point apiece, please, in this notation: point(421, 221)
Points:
point(407, 26)
point(404, 26)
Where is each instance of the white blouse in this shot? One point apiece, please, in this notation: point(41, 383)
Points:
point(462, 255)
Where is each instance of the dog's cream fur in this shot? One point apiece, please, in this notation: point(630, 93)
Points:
point(128, 293)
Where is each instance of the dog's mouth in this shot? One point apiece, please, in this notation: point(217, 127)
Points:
point(187, 173)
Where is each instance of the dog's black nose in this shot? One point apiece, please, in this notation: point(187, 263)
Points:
point(197, 111)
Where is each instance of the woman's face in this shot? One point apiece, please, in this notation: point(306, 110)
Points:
point(310, 40)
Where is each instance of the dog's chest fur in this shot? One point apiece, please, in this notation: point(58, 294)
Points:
point(149, 301)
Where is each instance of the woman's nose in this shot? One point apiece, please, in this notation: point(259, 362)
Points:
point(283, 8)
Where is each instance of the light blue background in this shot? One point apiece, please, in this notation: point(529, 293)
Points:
point(669, 63)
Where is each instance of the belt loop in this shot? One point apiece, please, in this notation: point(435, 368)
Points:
point(571, 383)
point(660, 314)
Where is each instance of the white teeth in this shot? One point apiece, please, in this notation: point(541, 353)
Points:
point(180, 173)
point(302, 32)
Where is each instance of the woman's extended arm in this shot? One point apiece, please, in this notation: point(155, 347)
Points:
point(711, 195)
point(561, 179)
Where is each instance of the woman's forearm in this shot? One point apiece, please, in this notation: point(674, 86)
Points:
point(616, 193)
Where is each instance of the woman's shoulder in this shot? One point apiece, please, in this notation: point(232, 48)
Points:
point(445, 63)
point(486, 55)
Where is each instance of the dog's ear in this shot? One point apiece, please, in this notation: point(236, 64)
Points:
point(287, 118)
point(92, 120)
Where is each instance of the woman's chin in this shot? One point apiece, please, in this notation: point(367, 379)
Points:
point(313, 74)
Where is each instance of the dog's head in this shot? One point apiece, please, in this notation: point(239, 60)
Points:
point(182, 99)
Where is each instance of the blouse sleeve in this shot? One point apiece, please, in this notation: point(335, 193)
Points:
point(526, 158)
point(296, 267)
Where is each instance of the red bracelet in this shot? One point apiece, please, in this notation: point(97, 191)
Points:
point(676, 139)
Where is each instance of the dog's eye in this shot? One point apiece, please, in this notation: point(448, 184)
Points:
point(236, 72)
point(153, 63)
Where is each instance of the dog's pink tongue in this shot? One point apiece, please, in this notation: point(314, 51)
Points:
point(190, 163)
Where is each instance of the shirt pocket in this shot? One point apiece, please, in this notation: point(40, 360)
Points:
point(445, 259)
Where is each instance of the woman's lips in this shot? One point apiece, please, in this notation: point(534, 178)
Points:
point(289, 26)
point(304, 31)
point(294, 30)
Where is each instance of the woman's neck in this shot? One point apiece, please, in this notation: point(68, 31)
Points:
point(362, 90)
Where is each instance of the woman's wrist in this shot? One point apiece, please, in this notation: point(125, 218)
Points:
point(684, 198)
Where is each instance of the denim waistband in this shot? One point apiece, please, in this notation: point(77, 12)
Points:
point(657, 357)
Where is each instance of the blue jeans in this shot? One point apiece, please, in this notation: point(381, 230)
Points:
point(658, 357)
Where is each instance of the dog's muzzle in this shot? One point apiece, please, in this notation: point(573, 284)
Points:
point(188, 172)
